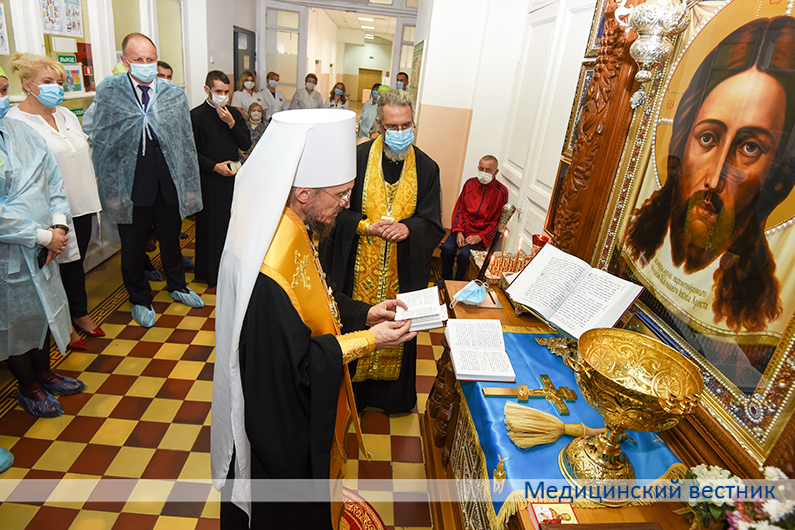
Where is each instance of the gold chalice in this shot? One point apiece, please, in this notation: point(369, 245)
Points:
point(636, 383)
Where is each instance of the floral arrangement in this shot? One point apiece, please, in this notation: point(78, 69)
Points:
point(737, 514)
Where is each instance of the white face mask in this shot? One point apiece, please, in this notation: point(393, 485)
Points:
point(273, 83)
point(256, 116)
point(219, 100)
point(484, 177)
point(248, 84)
point(310, 86)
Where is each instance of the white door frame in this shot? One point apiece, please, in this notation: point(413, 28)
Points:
point(405, 16)
point(262, 37)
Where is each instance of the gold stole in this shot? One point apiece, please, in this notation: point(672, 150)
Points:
point(376, 273)
point(292, 263)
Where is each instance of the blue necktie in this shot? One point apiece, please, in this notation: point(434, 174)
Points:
point(144, 95)
point(145, 103)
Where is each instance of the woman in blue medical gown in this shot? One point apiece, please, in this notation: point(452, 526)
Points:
point(34, 216)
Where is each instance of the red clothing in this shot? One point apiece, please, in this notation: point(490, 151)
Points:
point(478, 209)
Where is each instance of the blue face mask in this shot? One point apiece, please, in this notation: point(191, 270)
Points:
point(50, 95)
point(145, 73)
point(399, 85)
point(399, 141)
point(473, 293)
point(375, 95)
point(337, 92)
point(5, 103)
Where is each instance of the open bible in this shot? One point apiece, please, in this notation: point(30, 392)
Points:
point(477, 350)
point(570, 295)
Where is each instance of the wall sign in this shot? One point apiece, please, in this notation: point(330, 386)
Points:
point(3, 32)
point(62, 17)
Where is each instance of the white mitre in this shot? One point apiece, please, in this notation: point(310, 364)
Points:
point(302, 148)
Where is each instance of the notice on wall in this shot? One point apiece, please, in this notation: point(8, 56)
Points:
point(62, 17)
point(74, 77)
point(3, 31)
point(416, 66)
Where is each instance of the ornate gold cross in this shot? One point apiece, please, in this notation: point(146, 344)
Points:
point(556, 396)
point(301, 273)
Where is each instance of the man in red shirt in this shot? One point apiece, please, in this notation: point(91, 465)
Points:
point(475, 217)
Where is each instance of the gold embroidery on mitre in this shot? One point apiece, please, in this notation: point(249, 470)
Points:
point(376, 270)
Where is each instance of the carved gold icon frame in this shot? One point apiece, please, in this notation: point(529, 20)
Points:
point(755, 408)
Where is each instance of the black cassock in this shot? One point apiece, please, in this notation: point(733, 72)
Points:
point(215, 142)
point(291, 382)
point(338, 254)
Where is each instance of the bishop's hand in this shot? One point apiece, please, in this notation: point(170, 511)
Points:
point(391, 334)
point(384, 312)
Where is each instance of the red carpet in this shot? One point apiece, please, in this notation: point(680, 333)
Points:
point(358, 514)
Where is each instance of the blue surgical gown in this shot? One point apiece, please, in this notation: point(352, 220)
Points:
point(32, 192)
point(116, 127)
point(366, 121)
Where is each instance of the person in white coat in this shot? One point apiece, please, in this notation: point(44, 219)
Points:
point(337, 98)
point(247, 93)
point(42, 78)
point(307, 98)
point(273, 99)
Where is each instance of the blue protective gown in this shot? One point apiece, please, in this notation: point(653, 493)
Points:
point(31, 192)
point(366, 121)
point(116, 129)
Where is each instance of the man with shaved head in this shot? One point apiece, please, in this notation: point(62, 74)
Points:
point(146, 165)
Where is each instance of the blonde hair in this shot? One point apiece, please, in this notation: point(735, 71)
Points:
point(343, 97)
point(27, 65)
point(244, 78)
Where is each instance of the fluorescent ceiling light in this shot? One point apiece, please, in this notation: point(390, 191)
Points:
point(368, 27)
point(369, 37)
point(365, 19)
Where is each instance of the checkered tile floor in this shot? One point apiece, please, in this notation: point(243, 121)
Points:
point(146, 415)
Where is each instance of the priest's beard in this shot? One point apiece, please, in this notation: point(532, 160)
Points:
point(321, 228)
point(393, 155)
point(701, 230)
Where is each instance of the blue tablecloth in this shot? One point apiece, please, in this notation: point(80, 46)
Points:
point(650, 457)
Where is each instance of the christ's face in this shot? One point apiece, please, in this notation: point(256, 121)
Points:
point(728, 154)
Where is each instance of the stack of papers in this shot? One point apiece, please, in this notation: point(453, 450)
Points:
point(424, 309)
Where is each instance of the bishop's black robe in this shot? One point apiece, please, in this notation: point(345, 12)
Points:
point(291, 382)
point(215, 142)
point(338, 255)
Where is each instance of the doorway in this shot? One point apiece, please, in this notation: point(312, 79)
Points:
point(367, 78)
point(245, 53)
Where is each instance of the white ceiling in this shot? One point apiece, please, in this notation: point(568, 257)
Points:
point(384, 32)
